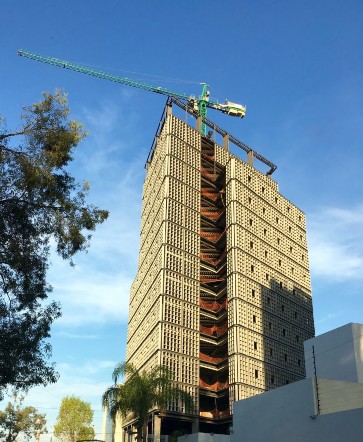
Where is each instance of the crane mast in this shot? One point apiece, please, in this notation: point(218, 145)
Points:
point(199, 104)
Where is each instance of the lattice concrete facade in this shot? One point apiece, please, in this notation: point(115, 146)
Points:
point(222, 294)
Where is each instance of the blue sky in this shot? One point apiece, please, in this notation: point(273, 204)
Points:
point(296, 65)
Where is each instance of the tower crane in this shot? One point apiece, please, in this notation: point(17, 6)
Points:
point(199, 104)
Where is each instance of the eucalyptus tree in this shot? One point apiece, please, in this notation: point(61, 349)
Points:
point(40, 202)
point(141, 392)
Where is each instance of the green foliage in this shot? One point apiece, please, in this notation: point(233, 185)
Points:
point(15, 420)
point(141, 392)
point(39, 202)
point(74, 421)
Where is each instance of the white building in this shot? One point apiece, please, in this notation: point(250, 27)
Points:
point(326, 406)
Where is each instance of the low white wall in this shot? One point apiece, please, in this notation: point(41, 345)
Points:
point(204, 437)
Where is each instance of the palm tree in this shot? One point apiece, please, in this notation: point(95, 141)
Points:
point(141, 392)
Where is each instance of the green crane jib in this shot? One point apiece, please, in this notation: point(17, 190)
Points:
point(198, 104)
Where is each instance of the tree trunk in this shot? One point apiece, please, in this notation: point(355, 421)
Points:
point(139, 434)
point(10, 437)
point(144, 430)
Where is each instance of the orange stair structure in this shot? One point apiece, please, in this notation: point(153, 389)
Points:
point(213, 379)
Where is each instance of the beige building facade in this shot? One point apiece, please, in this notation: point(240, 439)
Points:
point(222, 294)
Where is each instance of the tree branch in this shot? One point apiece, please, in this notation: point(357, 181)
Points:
point(33, 205)
point(2, 146)
point(26, 130)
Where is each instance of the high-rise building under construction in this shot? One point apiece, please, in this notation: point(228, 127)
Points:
point(222, 294)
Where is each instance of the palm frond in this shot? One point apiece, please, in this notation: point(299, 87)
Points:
point(123, 369)
point(141, 391)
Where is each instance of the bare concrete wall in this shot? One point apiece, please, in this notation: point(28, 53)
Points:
point(358, 347)
point(339, 395)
